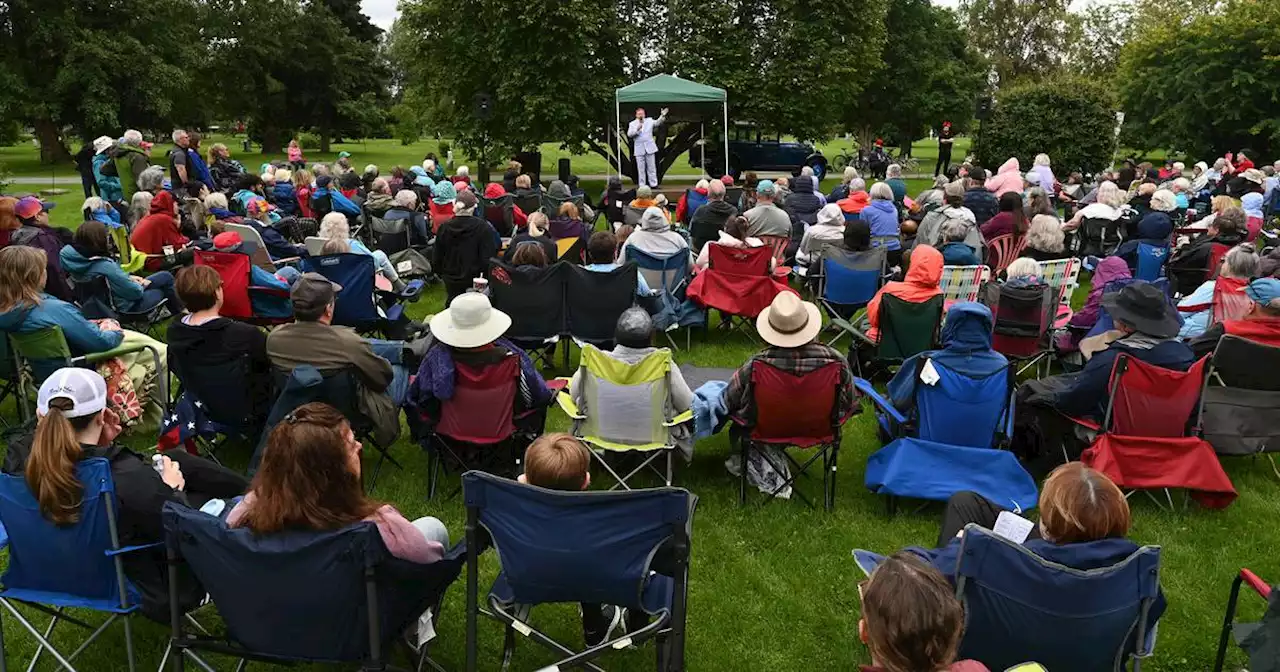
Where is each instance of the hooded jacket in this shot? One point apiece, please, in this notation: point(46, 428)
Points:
point(966, 350)
point(108, 185)
point(464, 245)
point(921, 284)
point(1008, 178)
point(655, 236)
point(959, 254)
point(377, 204)
point(802, 205)
point(882, 217)
point(495, 191)
point(51, 241)
point(339, 202)
point(130, 162)
point(158, 230)
point(82, 267)
point(83, 336)
point(982, 203)
point(930, 231)
point(828, 230)
point(709, 220)
point(286, 199)
point(1154, 228)
point(1187, 265)
point(854, 204)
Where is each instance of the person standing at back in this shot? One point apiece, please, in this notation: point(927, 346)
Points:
point(945, 141)
point(464, 245)
point(180, 169)
point(646, 149)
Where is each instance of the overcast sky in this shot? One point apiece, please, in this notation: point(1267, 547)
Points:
point(383, 12)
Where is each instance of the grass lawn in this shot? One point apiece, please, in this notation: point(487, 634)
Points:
point(774, 587)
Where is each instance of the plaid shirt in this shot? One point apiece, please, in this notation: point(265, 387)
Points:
point(740, 397)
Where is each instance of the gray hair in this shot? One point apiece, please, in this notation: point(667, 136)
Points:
point(1110, 194)
point(334, 226)
point(140, 205)
point(1164, 201)
point(894, 170)
point(634, 329)
point(1042, 160)
point(940, 181)
point(216, 199)
point(881, 191)
point(406, 198)
point(178, 134)
point(858, 184)
point(151, 179)
point(954, 230)
point(1023, 267)
point(428, 165)
point(464, 171)
point(94, 204)
point(1182, 184)
point(132, 137)
point(1241, 262)
point(371, 169)
point(850, 174)
point(807, 171)
point(715, 191)
point(1219, 164)
point(1045, 234)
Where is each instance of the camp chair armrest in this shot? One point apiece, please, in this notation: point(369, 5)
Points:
point(271, 291)
point(1083, 422)
point(130, 549)
point(1195, 308)
point(1255, 582)
point(679, 419)
point(864, 386)
point(95, 357)
point(565, 399)
point(286, 260)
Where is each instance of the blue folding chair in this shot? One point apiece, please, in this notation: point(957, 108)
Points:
point(54, 568)
point(849, 281)
point(1151, 261)
point(951, 442)
point(593, 547)
point(1019, 607)
point(359, 304)
point(669, 276)
point(299, 596)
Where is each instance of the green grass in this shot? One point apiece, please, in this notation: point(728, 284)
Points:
point(774, 587)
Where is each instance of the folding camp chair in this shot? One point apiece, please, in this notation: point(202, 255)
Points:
point(797, 411)
point(849, 281)
point(41, 352)
point(1098, 237)
point(228, 393)
point(961, 283)
point(53, 568)
point(1240, 411)
point(534, 298)
point(235, 271)
point(594, 301)
point(9, 381)
point(391, 236)
point(360, 304)
point(733, 196)
point(315, 246)
point(1023, 320)
point(636, 419)
point(669, 276)
point(1019, 607)
point(778, 244)
point(299, 596)
point(1242, 632)
point(130, 260)
point(551, 206)
point(906, 329)
point(1063, 276)
point(952, 440)
point(1148, 440)
point(261, 258)
point(1151, 261)
point(627, 549)
point(500, 213)
point(529, 203)
point(1002, 250)
point(93, 295)
point(737, 282)
point(476, 428)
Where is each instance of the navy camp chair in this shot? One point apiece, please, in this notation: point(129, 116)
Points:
point(951, 441)
point(336, 596)
point(669, 277)
point(593, 547)
point(1151, 260)
point(1019, 607)
point(79, 566)
point(357, 304)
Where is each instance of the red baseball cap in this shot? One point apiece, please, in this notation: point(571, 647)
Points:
point(227, 240)
point(30, 206)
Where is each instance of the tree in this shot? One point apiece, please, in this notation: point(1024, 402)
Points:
point(928, 74)
point(1206, 85)
point(97, 67)
point(1072, 120)
point(1097, 34)
point(1023, 39)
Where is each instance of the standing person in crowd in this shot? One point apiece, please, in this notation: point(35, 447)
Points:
point(88, 258)
point(223, 170)
point(946, 139)
point(76, 424)
point(464, 245)
point(131, 159)
point(84, 166)
point(509, 177)
point(766, 218)
point(34, 231)
point(1011, 220)
point(343, 165)
point(1042, 168)
point(310, 479)
point(709, 220)
point(645, 148)
point(199, 169)
point(180, 171)
point(1007, 178)
point(295, 156)
point(108, 182)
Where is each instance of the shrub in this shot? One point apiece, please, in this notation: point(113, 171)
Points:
point(309, 141)
point(443, 150)
point(1071, 120)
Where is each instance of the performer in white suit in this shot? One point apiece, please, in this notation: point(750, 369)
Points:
point(646, 150)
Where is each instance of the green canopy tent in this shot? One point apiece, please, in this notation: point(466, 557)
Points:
point(682, 95)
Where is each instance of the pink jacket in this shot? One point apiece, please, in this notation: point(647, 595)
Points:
point(295, 154)
point(402, 539)
point(1008, 178)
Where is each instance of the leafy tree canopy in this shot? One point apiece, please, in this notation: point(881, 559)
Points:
point(1071, 120)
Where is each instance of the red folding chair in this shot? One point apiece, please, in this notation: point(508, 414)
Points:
point(1216, 254)
point(1148, 441)
point(476, 429)
point(793, 411)
point(737, 282)
point(234, 269)
point(1258, 586)
point(1002, 250)
point(1023, 318)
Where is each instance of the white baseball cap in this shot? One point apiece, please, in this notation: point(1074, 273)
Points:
point(86, 390)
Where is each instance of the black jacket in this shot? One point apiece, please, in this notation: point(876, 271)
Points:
point(983, 202)
point(802, 205)
point(1189, 265)
point(710, 219)
point(548, 247)
point(463, 248)
point(198, 354)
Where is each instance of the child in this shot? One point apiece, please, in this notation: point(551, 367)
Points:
point(911, 619)
point(295, 156)
point(561, 462)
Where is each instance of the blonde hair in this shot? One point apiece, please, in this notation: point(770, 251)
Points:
point(216, 200)
point(1110, 194)
point(335, 246)
point(1042, 159)
point(283, 175)
point(335, 226)
point(523, 181)
point(537, 224)
point(1023, 267)
point(1221, 203)
point(216, 149)
point(568, 209)
point(302, 178)
point(1045, 234)
point(22, 276)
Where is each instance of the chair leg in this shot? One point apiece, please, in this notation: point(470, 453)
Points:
point(57, 616)
point(743, 447)
point(508, 647)
point(128, 642)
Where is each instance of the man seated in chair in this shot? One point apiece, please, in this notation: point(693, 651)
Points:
point(1262, 324)
point(633, 337)
point(1146, 328)
point(790, 327)
point(470, 332)
point(313, 340)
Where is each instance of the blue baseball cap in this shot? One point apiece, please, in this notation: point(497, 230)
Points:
point(1265, 291)
point(766, 187)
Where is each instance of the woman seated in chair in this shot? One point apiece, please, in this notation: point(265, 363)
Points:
point(1011, 220)
point(923, 273)
point(25, 307)
point(529, 255)
point(1045, 239)
point(828, 230)
point(88, 258)
point(334, 226)
point(733, 235)
point(1190, 264)
point(1241, 263)
point(533, 234)
point(74, 424)
point(470, 332)
point(568, 223)
point(310, 479)
point(954, 250)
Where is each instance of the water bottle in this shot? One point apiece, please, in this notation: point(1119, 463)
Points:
point(213, 507)
point(157, 461)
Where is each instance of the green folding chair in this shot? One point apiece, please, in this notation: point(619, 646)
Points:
point(636, 421)
point(906, 329)
point(49, 345)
